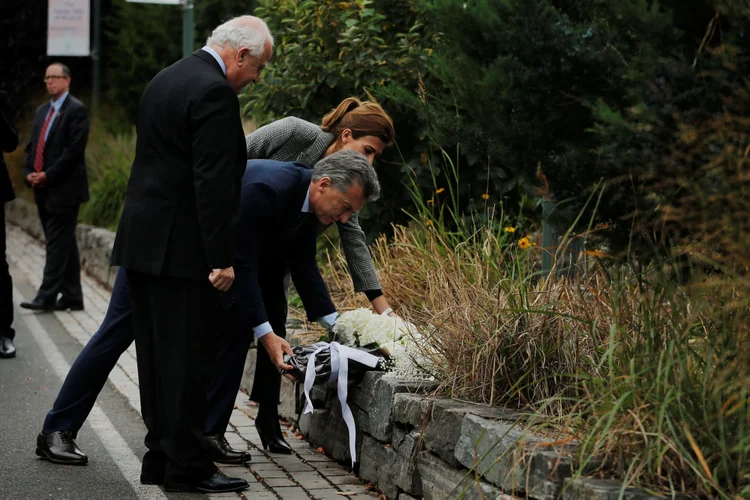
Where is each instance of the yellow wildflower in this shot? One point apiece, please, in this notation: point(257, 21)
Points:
point(430, 201)
point(428, 222)
point(596, 253)
point(510, 229)
point(485, 196)
point(525, 242)
point(439, 190)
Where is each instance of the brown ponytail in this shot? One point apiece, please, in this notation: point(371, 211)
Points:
point(362, 118)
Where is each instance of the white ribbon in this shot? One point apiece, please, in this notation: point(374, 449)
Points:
point(340, 356)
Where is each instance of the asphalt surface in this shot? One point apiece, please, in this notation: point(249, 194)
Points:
point(29, 384)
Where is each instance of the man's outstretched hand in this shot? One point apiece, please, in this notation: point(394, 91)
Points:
point(276, 348)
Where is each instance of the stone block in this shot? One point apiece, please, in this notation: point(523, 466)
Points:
point(288, 399)
point(406, 496)
point(248, 374)
point(398, 436)
point(442, 482)
point(509, 458)
point(380, 465)
point(408, 476)
point(375, 397)
point(412, 410)
point(442, 432)
point(601, 489)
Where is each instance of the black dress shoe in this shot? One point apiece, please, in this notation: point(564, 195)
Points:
point(269, 430)
point(218, 450)
point(153, 468)
point(38, 305)
point(69, 305)
point(7, 348)
point(217, 483)
point(60, 447)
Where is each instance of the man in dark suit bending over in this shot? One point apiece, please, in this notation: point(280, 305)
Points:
point(281, 206)
point(176, 239)
point(56, 168)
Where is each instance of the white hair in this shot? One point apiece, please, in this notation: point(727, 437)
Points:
point(242, 32)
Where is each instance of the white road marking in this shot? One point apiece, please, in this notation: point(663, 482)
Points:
point(113, 442)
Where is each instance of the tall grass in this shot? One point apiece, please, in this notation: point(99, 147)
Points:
point(109, 158)
point(649, 374)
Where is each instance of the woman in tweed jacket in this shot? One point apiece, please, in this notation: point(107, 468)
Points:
point(359, 125)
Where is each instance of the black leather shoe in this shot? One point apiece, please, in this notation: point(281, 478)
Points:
point(38, 305)
point(269, 430)
point(218, 450)
point(217, 483)
point(68, 305)
point(7, 348)
point(60, 447)
point(153, 468)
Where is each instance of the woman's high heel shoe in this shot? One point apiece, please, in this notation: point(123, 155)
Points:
point(269, 430)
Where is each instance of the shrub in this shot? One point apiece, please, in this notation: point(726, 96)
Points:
point(109, 158)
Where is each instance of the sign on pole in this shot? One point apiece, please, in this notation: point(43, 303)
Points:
point(68, 28)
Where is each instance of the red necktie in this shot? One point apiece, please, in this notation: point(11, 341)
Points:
point(39, 156)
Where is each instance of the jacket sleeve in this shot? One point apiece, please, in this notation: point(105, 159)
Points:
point(28, 159)
point(78, 135)
point(282, 140)
point(306, 275)
point(358, 257)
point(257, 203)
point(8, 135)
point(214, 117)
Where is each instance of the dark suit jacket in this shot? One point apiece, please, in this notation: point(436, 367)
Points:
point(180, 210)
point(64, 158)
point(8, 144)
point(272, 196)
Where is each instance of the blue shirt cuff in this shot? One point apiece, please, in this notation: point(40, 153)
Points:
point(262, 329)
point(328, 320)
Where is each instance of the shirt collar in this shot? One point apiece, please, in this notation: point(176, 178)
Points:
point(306, 203)
point(59, 102)
point(217, 57)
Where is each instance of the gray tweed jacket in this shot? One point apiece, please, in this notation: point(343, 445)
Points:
point(294, 139)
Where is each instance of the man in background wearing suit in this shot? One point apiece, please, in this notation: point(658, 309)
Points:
point(281, 205)
point(176, 239)
point(56, 168)
point(8, 144)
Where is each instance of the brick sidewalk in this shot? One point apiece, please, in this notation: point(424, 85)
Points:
point(303, 475)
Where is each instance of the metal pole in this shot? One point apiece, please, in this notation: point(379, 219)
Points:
point(96, 58)
point(188, 38)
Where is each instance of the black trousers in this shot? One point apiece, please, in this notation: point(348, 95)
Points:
point(267, 381)
point(176, 347)
point(62, 268)
point(6, 290)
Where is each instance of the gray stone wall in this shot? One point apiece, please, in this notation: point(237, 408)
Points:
point(411, 444)
point(94, 243)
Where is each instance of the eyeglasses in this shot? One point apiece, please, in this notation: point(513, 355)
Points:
point(54, 77)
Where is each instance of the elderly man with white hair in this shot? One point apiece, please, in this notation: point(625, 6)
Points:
point(176, 240)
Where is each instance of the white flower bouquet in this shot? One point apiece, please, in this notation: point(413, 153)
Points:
point(400, 341)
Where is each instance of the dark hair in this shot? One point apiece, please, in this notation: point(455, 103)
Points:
point(65, 68)
point(362, 118)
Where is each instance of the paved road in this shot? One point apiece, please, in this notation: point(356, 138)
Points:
point(28, 387)
point(113, 435)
